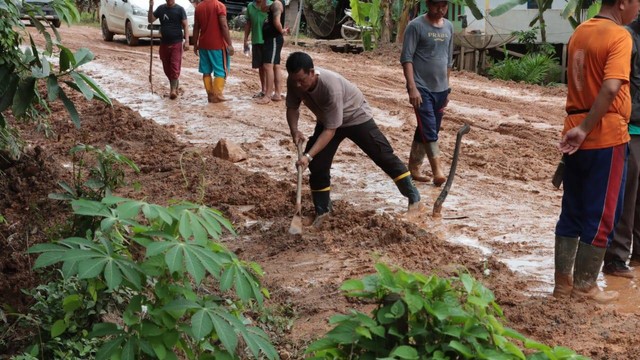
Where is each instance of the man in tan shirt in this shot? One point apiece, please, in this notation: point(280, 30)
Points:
point(342, 112)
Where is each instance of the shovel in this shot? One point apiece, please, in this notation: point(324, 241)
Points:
point(296, 222)
point(437, 206)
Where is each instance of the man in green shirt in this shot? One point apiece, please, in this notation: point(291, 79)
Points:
point(255, 19)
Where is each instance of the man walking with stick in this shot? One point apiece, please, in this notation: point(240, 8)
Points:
point(174, 29)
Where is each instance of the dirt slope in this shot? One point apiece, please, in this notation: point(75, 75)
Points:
point(499, 215)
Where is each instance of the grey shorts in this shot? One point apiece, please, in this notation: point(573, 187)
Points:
point(256, 55)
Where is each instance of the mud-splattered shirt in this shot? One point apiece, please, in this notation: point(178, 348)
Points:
point(430, 49)
point(335, 101)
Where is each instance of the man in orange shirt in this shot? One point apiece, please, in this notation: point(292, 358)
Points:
point(212, 43)
point(595, 137)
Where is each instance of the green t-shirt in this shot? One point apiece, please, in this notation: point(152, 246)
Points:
point(634, 129)
point(256, 17)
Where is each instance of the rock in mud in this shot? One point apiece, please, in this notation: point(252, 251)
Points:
point(227, 150)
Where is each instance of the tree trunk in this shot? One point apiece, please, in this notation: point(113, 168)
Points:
point(543, 27)
point(404, 20)
point(387, 22)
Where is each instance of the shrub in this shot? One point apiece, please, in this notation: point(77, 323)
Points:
point(533, 68)
point(160, 257)
point(426, 317)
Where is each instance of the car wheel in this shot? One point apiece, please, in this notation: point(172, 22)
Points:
point(128, 32)
point(56, 23)
point(106, 34)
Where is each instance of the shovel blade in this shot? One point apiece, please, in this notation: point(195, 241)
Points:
point(296, 225)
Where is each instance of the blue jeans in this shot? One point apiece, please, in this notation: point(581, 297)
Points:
point(429, 115)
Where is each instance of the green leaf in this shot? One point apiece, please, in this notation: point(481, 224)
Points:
point(199, 232)
point(258, 341)
point(503, 8)
point(71, 303)
point(129, 209)
point(226, 281)
point(180, 305)
point(66, 58)
point(405, 352)
point(24, 96)
point(6, 98)
point(43, 71)
point(352, 285)
point(184, 228)
point(99, 93)
point(201, 324)
point(467, 282)
point(83, 56)
point(129, 350)
point(58, 328)
point(461, 348)
point(151, 329)
point(75, 117)
point(109, 348)
point(243, 287)
point(475, 11)
point(112, 275)
point(104, 329)
point(131, 272)
point(158, 247)
point(194, 266)
point(174, 259)
point(90, 269)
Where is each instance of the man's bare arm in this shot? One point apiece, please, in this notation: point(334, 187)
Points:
point(277, 11)
point(224, 27)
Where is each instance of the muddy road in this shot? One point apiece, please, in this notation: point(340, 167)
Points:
point(498, 219)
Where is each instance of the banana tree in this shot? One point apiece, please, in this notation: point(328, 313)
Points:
point(573, 11)
point(543, 5)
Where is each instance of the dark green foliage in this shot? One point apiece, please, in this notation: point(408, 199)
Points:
point(533, 68)
point(22, 69)
point(426, 317)
point(160, 257)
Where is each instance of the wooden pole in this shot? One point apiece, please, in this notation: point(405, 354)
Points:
point(563, 76)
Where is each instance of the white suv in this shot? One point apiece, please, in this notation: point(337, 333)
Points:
point(129, 18)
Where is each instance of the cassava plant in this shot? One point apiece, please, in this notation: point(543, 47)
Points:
point(426, 317)
point(96, 173)
point(23, 68)
point(178, 277)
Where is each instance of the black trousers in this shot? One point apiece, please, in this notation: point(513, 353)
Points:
point(368, 137)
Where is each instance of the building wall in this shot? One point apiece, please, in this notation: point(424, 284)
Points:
point(517, 19)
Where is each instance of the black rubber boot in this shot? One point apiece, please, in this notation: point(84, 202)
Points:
point(321, 202)
point(565, 257)
point(322, 205)
point(585, 274)
point(406, 187)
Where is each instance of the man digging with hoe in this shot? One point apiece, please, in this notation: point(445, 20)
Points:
point(342, 112)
